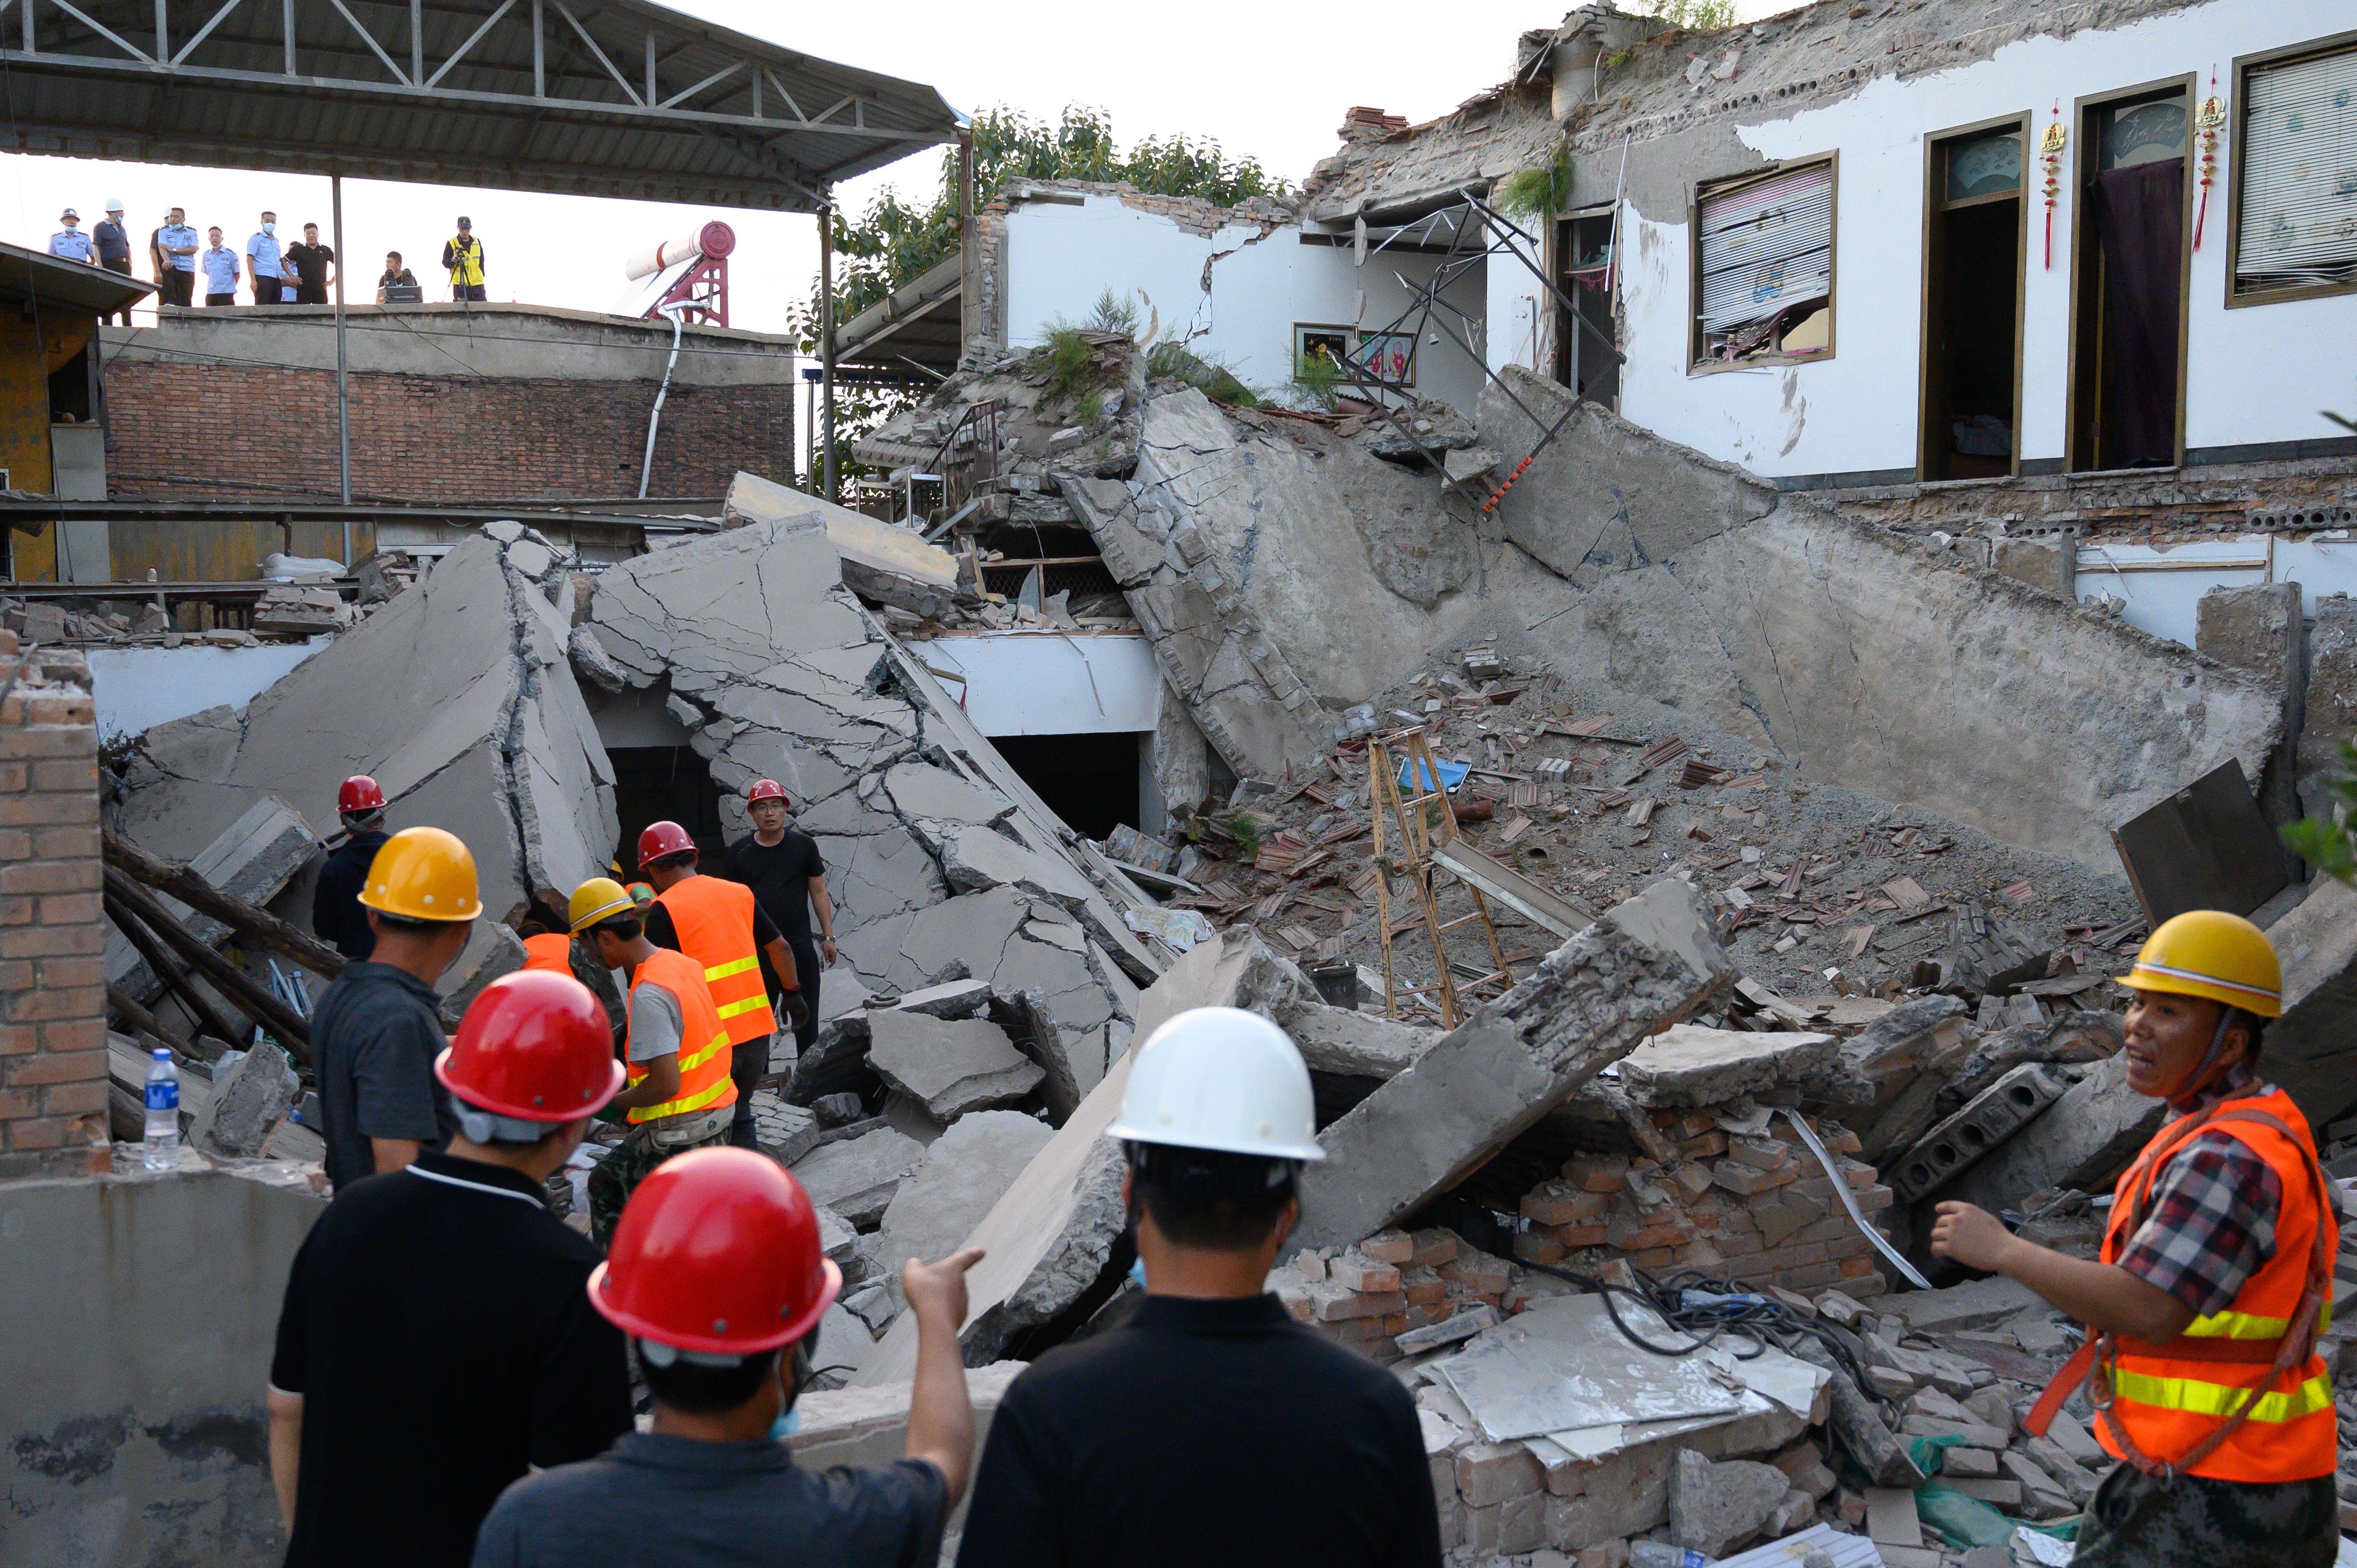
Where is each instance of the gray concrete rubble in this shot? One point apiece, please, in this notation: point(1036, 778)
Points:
point(1588, 1005)
point(949, 1066)
point(965, 1172)
point(1688, 1064)
point(2329, 696)
point(944, 865)
point(457, 697)
point(2083, 1140)
point(1988, 1119)
point(249, 1099)
point(253, 858)
point(1716, 1503)
point(2259, 627)
point(856, 1176)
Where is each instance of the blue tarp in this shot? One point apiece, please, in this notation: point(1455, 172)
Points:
point(1452, 774)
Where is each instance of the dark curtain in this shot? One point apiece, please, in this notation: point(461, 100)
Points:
point(2140, 224)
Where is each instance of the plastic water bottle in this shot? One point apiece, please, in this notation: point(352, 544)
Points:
point(1661, 1554)
point(162, 1153)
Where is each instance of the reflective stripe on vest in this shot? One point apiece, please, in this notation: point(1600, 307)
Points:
point(713, 919)
point(704, 1079)
point(469, 268)
point(2169, 1404)
point(550, 951)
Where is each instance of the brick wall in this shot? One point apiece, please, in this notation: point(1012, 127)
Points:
point(53, 1084)
point(239, 430)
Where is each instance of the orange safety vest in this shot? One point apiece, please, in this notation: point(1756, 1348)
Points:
point(551, 951)
point(715, 921)
point(703, 1081)
point(2171, 1399)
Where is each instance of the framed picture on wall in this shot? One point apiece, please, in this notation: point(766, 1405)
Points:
point(1390, 357)
point(1314, 342)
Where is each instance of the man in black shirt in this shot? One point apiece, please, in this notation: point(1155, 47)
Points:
point(310, 260)
point(1210, 1428)
point(113, 249)
point(783, 867)
point(438, 1339)
point(378, 1024)
point(718, 1277)
point(337, 917)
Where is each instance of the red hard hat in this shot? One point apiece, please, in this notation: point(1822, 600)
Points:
point(660, 839)
point(534, 1046)
point(765, 789)
point(717, 1251)
point(360, 793)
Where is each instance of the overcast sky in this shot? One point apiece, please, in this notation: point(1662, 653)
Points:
point(1268, 81)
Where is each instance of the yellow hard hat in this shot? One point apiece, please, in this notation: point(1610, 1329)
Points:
point(423, 873)
point(2208, 952)
point(599, 899)
point(640, 894)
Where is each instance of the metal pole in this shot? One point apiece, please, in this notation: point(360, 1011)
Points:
point(826, 343)
point(965, 239)
point(343, 383)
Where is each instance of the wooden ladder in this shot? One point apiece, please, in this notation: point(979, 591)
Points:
point(1405, 849)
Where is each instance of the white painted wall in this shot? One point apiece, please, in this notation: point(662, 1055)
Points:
point(1045, 683)
point(2259, 373)
point(2163, 602)
point(139, 688)
point(1061, 257)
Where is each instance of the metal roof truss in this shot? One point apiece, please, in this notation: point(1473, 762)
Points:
point(584, 97)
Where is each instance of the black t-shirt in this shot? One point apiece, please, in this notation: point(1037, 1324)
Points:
point(1203, 1432)
point(374, 1041)
point(780, 877)
point(437, 1324)
point(676, 1502)
point(336, 912)
point(310, 263)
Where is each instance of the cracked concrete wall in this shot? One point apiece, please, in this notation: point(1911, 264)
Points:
point(941, 861)
point(1284, 573)
point(457, 697)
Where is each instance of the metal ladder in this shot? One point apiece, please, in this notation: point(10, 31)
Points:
point(1405, 849)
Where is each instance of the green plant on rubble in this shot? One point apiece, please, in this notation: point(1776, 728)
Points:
point(1174, 362)
point(2327, 840)
point(1318, 378)
point(1692, 16)
point(1068, 359)
point(1540, 192)
point(1113, 313)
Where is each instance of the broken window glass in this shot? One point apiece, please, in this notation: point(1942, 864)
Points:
point(1764, 266)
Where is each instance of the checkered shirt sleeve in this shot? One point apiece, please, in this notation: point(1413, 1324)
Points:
point(2212, 1224)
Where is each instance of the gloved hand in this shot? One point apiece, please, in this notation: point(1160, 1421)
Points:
point(797, 1011)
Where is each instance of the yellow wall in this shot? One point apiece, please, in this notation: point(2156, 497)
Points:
point(223, 552)
point(28, 354)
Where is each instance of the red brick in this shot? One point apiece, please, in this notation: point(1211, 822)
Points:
point(13, 776)
point(56, 1066)
point(51, 941)
point(66, 1002)
point(59, 843)
point(19, 1039)
point(36, 1132)
point(73, 1033)
point(66, 776)
point(20, 743)
point(15, 1102)
point(69, 908)
point(49, 876)
point(65, 971)
point(74, 1099)
point(44, 810)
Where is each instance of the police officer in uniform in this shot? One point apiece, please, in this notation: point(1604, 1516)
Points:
point(70, 244)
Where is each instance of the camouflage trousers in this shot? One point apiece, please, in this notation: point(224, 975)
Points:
point(616, 1177)
point(2137, 1522)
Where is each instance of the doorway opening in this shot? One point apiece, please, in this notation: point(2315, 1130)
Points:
point(1585, 335)
point(1089, 780)
point(1974, 229)
point(663, 783)
point(2128, 280)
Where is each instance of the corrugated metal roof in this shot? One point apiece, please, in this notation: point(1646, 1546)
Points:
point(37, 276)
point(580, 97)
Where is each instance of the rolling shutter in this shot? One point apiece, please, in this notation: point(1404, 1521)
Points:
point(1766, 246)
point(2299, 173)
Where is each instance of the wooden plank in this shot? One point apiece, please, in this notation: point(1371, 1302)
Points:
point(1562, 916)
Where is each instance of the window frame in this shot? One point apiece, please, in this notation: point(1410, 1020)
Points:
point(1701, 190)
point(2237, 121)
point(1935, 202)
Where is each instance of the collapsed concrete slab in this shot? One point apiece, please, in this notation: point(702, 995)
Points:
point(856, 1176)
point(966, 1172)
point(2083, 1140)
point(949, 1066)
point(1588, 1005)
point(253, 858)
point(1687, 1064)
point(942, 864)
point(456, 696)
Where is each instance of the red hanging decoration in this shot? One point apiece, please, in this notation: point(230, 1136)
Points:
point(2049, 154)
point(2207, 122)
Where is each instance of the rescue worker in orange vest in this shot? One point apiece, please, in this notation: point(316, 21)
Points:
point(2214, 1278)
point(717, 923)
point(679, 1095)
point(544, 949)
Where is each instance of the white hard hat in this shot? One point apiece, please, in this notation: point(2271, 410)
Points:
point(1221, 1078)
point(114, 204)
